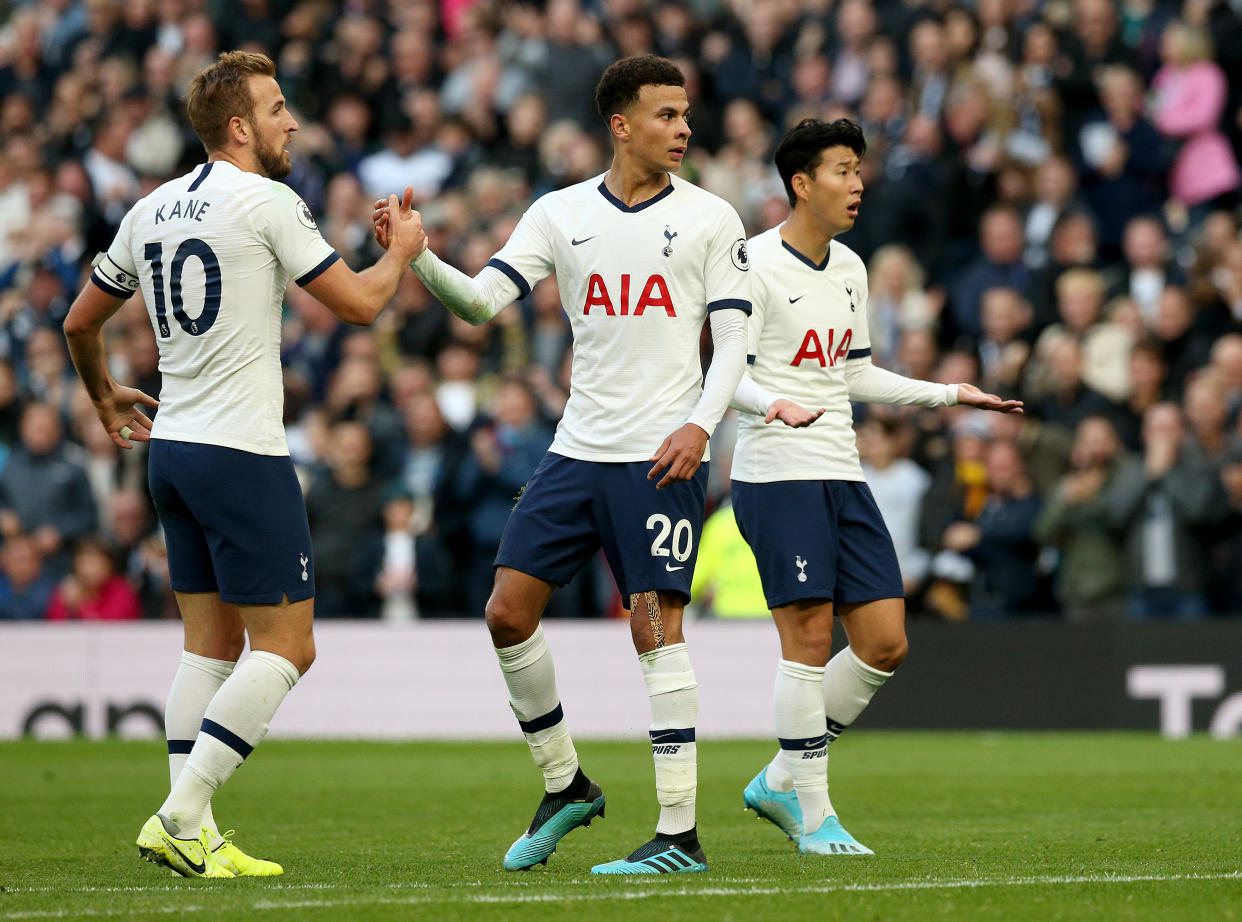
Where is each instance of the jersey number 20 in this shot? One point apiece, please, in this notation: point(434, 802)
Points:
point(195, 326)
point(683, 536)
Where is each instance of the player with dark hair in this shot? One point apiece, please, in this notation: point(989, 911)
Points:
point(211, 253)
point(642, 260)
point(800, 497)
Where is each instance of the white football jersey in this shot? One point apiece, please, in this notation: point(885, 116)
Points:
point(212, 253)
point(808, 321)
point(637, 283)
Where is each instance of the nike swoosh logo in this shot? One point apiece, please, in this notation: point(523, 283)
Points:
point(199, 867)
point(661, 737)
point(797, 299)
point(575, 242)
point(671, 568)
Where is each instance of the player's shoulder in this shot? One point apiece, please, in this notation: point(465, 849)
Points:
point(569, 197)
point(842, 258)
point(765, 241)
point(705, 203)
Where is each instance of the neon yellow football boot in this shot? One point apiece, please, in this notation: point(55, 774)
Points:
point(188, 857)
point(242, 865)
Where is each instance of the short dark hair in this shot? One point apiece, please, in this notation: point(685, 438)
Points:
point(619, 86)
point(802, 148)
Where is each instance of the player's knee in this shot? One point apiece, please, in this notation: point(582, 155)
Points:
point(888, 653)
point(508, 623)
point(304, 656)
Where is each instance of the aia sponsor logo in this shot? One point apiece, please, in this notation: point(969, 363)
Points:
point(814, 350)
point(654, 294)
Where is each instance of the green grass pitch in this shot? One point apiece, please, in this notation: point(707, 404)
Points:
point(966, 826)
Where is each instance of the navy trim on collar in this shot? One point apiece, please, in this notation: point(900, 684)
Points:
point(201, 176)
point(820, 267)
point(630, 209)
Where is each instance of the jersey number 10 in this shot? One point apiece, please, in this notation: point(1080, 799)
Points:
point(195, 326)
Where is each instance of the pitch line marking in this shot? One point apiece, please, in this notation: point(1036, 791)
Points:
point(662, 892)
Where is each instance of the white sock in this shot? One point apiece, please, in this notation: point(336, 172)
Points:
point(531, 678)
point(197, 680)
point(674, 695)
point(849, 685)
point(799, 704)
point(233, 724)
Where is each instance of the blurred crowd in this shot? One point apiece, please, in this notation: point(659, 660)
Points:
point(1052, 211)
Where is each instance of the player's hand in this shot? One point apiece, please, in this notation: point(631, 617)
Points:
point(970, 396)
point(404, 226)
point(681, 453)
point(121, 416)
point(391, 220)
point(793, 415)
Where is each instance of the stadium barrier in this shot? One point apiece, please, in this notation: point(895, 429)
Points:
point(439, 680)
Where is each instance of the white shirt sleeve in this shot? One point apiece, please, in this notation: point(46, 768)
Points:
point(286, 224)
point(475, 300)
point(868, 383)
point(728, 363)
point(114, 270)
point(727, 273)
point(751, 396)
point(528, 255)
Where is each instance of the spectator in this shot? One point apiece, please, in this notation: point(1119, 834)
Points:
point(345, 510)
point(1165, 508)
point(409, 158)
point(1068, 400)
point(1148, 374)
point(1000, 265)
point(1002, 351)
point(93, 591)
point(1148, 265)
point(1080, 521)
point(1000, 541)
point(505, 447)
point(1123, 157)
point(1190, 96)
point(43, 492)
point(899, 486)
point(897, 300)
point(26, 586)
point(1056, 185)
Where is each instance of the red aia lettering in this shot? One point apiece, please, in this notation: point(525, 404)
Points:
point(812, 348)
point(655, 294)
point(597, 296)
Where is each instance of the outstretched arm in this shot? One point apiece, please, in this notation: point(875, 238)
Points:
point(358, 297)
point(868, 383)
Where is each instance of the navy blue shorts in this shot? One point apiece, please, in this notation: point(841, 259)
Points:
point(571, 508)
point(817, 539)
point(234, 522)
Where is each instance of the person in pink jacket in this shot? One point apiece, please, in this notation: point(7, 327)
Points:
point(93, 591)
point(1190, 92)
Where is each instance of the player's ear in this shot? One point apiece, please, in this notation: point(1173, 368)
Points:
point(619, 125)
point(799, 183)
point(239, 129)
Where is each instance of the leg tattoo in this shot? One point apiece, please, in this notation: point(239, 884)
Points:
point(653, 613)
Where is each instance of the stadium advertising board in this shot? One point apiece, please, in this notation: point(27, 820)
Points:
point(438, 680)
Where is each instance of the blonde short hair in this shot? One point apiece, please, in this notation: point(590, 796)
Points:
point(221, 92)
